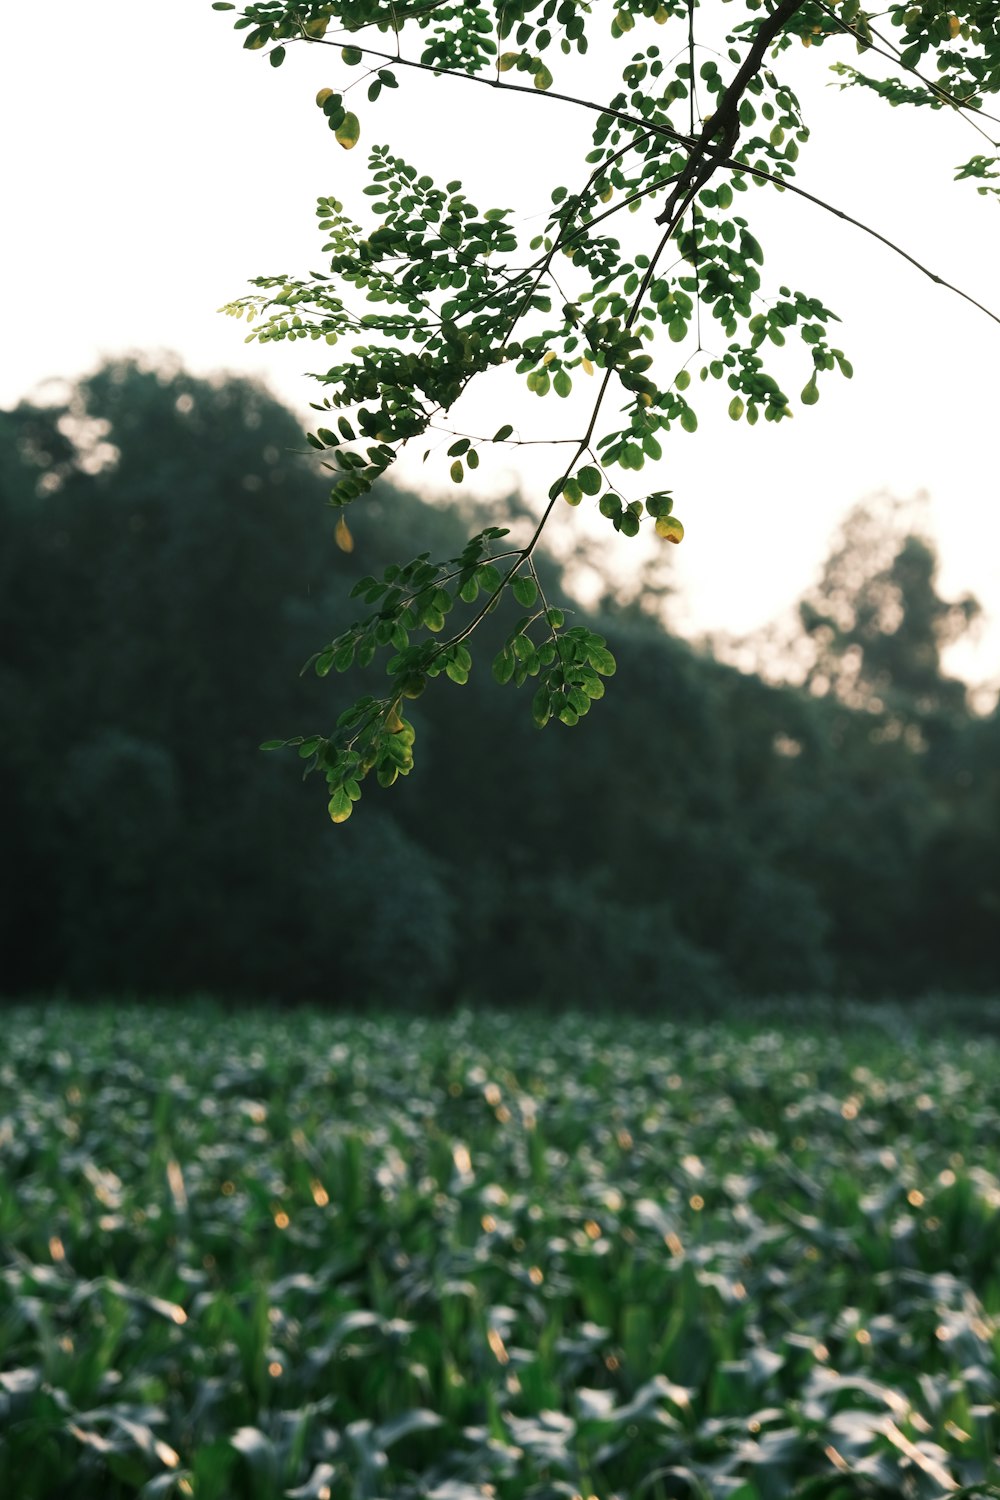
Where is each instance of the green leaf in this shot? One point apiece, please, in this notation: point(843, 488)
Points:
point(457, 472)
point(543, 78)
point(660, 504)
point(810, 391)
point(277, 57)
point(524, 589)
point(503, 666)
point(351, 56)
point(600, 657)
point(736, 408)
point(503, 433)
point(589, 480)
point(540, 706)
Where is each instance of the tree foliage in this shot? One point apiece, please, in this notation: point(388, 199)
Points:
point(878, 625)
point(161, 571)
point(435, 291)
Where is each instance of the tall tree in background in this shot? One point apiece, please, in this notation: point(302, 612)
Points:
point(436, 292)
point(878, 625)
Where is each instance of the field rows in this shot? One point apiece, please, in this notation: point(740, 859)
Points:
point(293, 1255)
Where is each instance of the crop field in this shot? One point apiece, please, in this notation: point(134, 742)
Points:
point(292, 1255)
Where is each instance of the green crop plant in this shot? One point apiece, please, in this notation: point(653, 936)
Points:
point(276, 1257)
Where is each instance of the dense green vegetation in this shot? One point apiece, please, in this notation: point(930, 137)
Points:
point(165, 570)
point(430, 294)
point(252, 1256)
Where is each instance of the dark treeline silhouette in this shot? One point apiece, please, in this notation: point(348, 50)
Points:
point(167, 564)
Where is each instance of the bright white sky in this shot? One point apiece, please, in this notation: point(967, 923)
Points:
point(152, 166)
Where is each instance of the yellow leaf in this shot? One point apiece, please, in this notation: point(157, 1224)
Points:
point(548, 356)
point(348, 131)
point(342, 536)
point(669, 528)
point(954, 25)
point(323, 96)
point(586, 366)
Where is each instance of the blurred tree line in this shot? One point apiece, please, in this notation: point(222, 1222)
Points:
point(165, 568)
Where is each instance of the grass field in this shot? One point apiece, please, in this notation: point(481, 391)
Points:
point(281, 1255)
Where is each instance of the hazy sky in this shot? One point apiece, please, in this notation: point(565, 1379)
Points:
point(152, 166)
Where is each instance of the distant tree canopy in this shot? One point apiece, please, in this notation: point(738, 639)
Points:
point(164, 570)
point(878, 624)
point(431, 293)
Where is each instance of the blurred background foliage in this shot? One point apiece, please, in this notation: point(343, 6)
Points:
point(165, 569)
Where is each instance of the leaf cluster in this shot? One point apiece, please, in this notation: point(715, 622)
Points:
point(451, 294)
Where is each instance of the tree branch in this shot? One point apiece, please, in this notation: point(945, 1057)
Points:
point(705, 157)
point(764, 176)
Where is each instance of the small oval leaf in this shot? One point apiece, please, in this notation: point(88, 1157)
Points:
point(349, 131)
point(669, 528)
